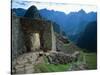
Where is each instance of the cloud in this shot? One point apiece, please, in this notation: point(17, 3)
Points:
point(21, 3)
point(65, 7)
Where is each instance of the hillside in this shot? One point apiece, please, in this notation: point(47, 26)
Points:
point(88, 38)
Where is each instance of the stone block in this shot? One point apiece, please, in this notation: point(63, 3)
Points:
point(19, 66)
point(22, 61)
point(20, 71)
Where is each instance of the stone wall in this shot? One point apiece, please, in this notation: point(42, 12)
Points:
point(35, 40)
point(17, 37)
point(25, 30)
point(40, 26)
point(24, 35)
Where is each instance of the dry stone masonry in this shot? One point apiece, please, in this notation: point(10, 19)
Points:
point(32, 39)
point(25, 63)
point(28, 36)
point(18, 46)
point(42, 27)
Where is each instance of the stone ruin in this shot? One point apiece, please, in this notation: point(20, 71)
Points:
point(43, 28)
point(30, 31)
point(32, 37)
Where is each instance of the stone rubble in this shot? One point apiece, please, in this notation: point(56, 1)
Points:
point(25, 63)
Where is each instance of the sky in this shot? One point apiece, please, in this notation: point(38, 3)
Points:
point(66, 6)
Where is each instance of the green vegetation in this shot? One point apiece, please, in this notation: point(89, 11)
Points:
point(45, 59)
point(71, 48)
point(45, 67)
point(52, 67)
point(91, 60)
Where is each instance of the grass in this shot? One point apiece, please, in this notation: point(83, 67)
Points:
point(45, 67)
point(45, 59)
point(91, 60)
point(52, 67)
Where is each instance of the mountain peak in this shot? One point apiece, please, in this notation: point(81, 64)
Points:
point(32, 7)
point(81, 11)
point(32, 12)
